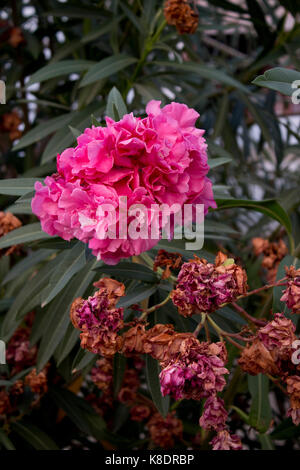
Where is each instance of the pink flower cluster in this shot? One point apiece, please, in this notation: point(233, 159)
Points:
point(198, 373)
point(159, 159)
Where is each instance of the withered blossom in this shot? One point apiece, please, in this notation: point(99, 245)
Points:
point(167, 261)
point(179, 13)
point(273, 253)
point(165, 431)
point(204, 287)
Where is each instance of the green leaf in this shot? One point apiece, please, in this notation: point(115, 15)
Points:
point(18, 186)
point(82, 359)
point(31, 260)
point(77, 409)
point(42, 130)
point(64, 137)
point(205, 72)
point(57, 69)
point(278, 79)
point(266, 442)
point(215, 162)
point(28, 297)
point(5, 441)
point(37, 438)
point(67, 344)
point(126, 270)
point(59, 311)
point(139, 294)
point(269, 207)
point(260, 415)
point(28, 233)
point(152, 374)
point(119, 366)
point(286, 430)
point(72, 261)
point(116, 107)
point(107, 67)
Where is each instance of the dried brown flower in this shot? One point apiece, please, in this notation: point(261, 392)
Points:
point(168, 261)
point(5, 406)
point(16, 37)
point(10, 123)
point(102, 374)
point(8, 222)
point(180, 14)
point(273, 253)
point(139, 412)
point(133, 340)
point(256, 359)
point(37, 382)
point(293, 389)
point(164, 431)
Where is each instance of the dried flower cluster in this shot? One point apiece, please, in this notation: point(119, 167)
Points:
point(204, 287)
point(273, 253)
point(10, 123)
point(20, 356)
point(8, 222)
point(98, 318)
point(291, 295)
point(271, 353)
point(179, 13)
point(167, 261)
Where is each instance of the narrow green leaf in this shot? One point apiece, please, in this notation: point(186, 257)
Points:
point(152, 374)
point(269, 207)
point(116, 107)
point(5, 441)
point(260, 415)
point(278, 79)
point(205, 72)
point(266, 442)
point(119, 367)
point(32, 259)
point(18, 186)
point(72, 261)
point(57, 69)
point(37, 438)
point(126, 270)
point(42, 130)
point(82, 359)
point(107, 67)
point(24, 234)
point(137, 296)
point(59, 311)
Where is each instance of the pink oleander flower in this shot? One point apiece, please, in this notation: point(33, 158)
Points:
point(291, 295)
point(295, 415)
point(214, 414)
point(159, 159)
point(196, 374)
point(224, 441)
point(204, 287)
point(278, 334)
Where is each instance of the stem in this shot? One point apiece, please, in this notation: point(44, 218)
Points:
point(247, 315)
point(200, 324)
point(260, 289)
point(155, 307)
point(224, 333)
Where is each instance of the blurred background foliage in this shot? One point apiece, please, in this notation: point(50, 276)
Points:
point(66, 65)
